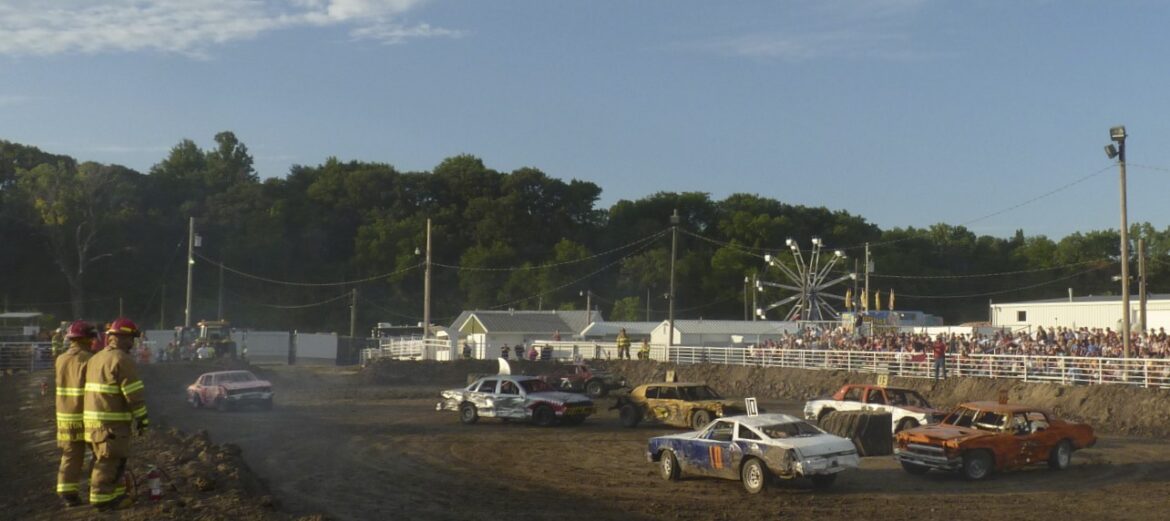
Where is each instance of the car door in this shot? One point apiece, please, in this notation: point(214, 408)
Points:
point(716, 450)
point(509, 401)
point(666, 406)
point(1039, 441)
point(483, 396)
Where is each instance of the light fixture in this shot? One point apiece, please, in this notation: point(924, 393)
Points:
point(839, 253)
point(1111, 151)
point(768, 257)
point(1117, 133)
point(788, 241)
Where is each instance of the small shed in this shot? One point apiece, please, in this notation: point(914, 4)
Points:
point(488, 330)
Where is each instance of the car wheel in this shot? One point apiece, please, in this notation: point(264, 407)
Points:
point(630, 416)
point(1061, 456)
point(753, 476)
point(823, 414)
point(543, 416)
point(193, 399)
point(823, 481)
point(468, 414)
point(977, 465)
point(668, 466)
point(907, 423)
point(914, 468)
point(595, 389)
point(700, 419)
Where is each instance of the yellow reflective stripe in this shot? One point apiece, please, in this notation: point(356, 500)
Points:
point(70, 437)
point(139, 412)
point(69, 417)
point(95, 497)
point(68, 487)
point(70, 391)
point(106, 416)
point(131, 387)
point(102, 388)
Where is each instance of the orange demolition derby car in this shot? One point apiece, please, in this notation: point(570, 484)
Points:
point(979, 438)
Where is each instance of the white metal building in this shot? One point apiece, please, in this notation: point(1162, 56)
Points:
point(721, 333)
point(1078, 312)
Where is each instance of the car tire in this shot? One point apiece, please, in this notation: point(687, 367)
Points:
point(543, 416)
point(1061, 456)
point(823, 481)
point(700, 419)
point(668, 466)
point(595, 389)
point(754, 475)
point(468, 414)
point(821, 416)
point(629, 415)
point(906, 423)
point(193, 399)
point(977, 465)
point(914, 468)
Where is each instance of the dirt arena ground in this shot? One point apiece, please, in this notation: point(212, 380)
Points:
point(350, 445)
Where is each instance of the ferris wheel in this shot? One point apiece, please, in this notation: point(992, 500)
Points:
point(809, 280)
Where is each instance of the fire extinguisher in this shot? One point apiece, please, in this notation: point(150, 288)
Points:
point(44, 387)
point(154, 483)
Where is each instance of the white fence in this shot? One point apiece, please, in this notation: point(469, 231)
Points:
point(408, 348)
point(25, 356)
point(1146, 372)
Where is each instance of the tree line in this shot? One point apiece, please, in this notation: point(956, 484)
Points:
point(84, 239)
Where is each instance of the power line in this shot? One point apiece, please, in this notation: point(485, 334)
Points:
point(1001, 292)
point(307, 284)
point(298, 306)
point(555, 264)
point(984, 275)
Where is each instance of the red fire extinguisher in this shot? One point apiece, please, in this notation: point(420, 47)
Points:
point(154, 483)
point(44, 387)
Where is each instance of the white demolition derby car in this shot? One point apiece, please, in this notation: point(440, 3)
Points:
point(907, 408)
point(513, 397)
point(753, 449)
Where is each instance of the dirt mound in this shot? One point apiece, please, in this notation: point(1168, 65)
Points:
point(1114, 409)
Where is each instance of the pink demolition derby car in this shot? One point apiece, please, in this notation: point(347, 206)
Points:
point(226, 390)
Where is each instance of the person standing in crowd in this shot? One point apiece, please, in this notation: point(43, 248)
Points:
point(532, 354)
point(939, 350)
point(114, 398)
point(623, 344)
point(70, 382)
point(505, 351)
point(466, 351)
point(519, 350)
point(644, 351)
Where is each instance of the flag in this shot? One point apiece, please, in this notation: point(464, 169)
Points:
point(848, 299)
point(891, 299)
point(865, 300)
point(877, 300)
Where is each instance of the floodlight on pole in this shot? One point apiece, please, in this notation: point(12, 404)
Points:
point(1118, 135)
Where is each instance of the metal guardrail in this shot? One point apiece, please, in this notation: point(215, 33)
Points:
point(407, 348)
point(1145, 372)
point(25, 356)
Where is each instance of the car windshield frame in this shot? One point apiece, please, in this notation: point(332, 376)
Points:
point(236, 377)
point(989, 421)
point(785, 430)
point(912, 396)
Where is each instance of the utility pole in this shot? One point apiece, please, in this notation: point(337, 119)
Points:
point(647, 304)
point(755, 293)
point(162, 308)
point(1142, 284)
point(219, 312)
point(190, 269)
point(588, 306)
point(868, 269)
point(1118, 134)
point(427, 287)
point(745, 299)
point(674, 220)
point(352, 313)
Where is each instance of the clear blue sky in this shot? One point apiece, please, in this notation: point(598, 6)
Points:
point(907, 112)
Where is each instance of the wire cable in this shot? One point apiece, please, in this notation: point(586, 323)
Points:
point(555, 264)
point(345, 295)
point(1001, 292)
point(307, 284)
point(984, 275)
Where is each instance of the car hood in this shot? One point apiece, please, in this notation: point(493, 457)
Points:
point(942, 433)
point(254, 384)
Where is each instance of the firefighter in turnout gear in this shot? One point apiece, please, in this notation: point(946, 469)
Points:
point(623, 344)
point(114, 399)
point(57, 341)
point(70, 382)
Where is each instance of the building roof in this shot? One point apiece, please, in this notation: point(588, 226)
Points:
point(568, 323)
point(19, 315)
point(605, 329)
point(734, 327)
point(1091, 299)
